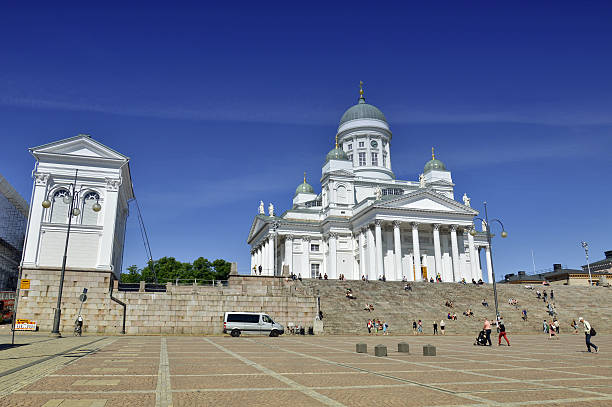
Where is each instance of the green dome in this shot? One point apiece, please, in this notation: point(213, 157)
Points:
point(304, 188)
point(434, 164)
point(362, 110)
point(336, 154)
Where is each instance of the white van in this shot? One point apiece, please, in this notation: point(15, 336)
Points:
point(237, 323)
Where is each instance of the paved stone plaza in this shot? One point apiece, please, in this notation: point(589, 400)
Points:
point(96, 371)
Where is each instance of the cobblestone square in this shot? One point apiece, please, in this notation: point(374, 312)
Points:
point(106, 371)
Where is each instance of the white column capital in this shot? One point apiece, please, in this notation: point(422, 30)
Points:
point(397, 224)
point(41, 178)
point(112, 184)
point(415, 225)
point(306, 238)
point(454, 227)
point(378, 222)
point(289, 237)
point(436, 226)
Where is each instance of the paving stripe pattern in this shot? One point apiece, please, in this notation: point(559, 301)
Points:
point(309, 371)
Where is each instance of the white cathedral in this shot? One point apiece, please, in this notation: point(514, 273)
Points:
point(367, 224)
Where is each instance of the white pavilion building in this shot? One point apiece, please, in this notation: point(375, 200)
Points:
point(365, 222)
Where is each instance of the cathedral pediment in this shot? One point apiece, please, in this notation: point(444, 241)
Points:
point(429, 201)
point(79, 146)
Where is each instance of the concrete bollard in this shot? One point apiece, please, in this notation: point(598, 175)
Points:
point(380, 350)
point(403, 347)
point(429, 350)
point(361, 348)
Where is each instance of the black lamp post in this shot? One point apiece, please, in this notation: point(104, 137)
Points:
point(504, 234)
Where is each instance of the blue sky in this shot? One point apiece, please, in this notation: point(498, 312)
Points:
point(219, 107)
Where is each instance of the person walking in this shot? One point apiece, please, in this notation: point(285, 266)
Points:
point(487, 328)
point(420, 327)
point(369, 324)
point(414, 327)
point(552, 295)
point(385, 326)
point(588, 332)
point(435, 326)
point(442, 324)
point(502, 332)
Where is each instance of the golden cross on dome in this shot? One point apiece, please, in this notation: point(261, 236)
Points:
point(336, 141)
point(304, 177)
point(433, 156)
point(361, 89)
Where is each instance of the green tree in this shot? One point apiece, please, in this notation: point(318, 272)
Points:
point(132, 276)
point(169, 269)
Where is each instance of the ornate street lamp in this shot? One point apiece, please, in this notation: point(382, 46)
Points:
point(504, 234)
point(585, 246)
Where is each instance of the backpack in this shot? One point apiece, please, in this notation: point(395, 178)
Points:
point(593, 332)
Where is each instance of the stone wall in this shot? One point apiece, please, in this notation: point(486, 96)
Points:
point(179, 310)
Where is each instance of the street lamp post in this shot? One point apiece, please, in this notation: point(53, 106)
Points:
point(504, 234)
point(585, 246)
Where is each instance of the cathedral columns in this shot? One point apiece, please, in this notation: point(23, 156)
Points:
point(379, 248)
point(473, 259)
point(306, 257)
point(333, 260)
point(416, 252)
point(371, 254)
point(362, 258)
point(455, 254)
point(489, 265)
point(289, 253)
point(397, 248)
point(437, 251)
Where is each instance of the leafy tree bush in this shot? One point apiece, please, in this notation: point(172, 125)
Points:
point(169, 269)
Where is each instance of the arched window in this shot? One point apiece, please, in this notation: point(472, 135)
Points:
point(89, 216)
point(341, 194)
point(59, 210)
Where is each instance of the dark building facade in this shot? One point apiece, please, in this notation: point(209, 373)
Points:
point(13, 221)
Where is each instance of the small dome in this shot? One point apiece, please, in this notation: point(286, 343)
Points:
point(304, 188)
point(434, 164)
point(336, 154)
point(362, 110)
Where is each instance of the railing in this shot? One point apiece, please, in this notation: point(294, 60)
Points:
point(7, 295)
point(195, 281)
point(148, 287)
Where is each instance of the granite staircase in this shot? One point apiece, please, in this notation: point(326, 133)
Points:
point(399, 308)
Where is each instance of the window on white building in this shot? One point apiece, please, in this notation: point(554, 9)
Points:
point(362, 144)
point(90, 217)
point(350, 157)
point(59, 210)
point(314, 270)
point(350, 146)
point(362, 159)
point(375, 159)
point(314, 247)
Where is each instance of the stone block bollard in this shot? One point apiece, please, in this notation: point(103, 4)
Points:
point(361, 348)
point(403, 347)
point(429, 350)
point(380, 350)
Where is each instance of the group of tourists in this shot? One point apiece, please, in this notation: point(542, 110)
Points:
point(375, 326)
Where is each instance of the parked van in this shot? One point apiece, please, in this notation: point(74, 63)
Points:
point(237, 323)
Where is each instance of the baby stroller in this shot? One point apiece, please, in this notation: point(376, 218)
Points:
point(482, 339)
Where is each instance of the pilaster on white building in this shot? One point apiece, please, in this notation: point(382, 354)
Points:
point(96, 237)
point(365, 223)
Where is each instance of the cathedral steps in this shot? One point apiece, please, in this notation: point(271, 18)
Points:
point(427, 302)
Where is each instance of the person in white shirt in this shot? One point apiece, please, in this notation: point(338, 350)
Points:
point(587, 334)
